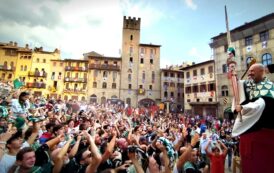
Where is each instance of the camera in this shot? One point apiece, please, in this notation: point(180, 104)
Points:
point(131, 148)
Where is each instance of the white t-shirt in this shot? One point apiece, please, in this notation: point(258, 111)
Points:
point(6, 162)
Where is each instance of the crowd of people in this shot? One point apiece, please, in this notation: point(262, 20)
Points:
point(53, 135)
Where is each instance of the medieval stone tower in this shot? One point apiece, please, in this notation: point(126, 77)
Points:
point(140, 70)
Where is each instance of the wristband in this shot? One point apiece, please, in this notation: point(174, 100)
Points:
point(3, 142)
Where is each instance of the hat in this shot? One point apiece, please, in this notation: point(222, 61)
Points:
point(231, 50)
point(19, 122)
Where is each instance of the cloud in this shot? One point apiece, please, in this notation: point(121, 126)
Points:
point(194, 54)
point(74, 27)
point(191, 4)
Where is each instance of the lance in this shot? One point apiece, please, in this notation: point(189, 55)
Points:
point(232, 64)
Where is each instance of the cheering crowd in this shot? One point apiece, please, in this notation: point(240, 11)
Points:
point(52, 135)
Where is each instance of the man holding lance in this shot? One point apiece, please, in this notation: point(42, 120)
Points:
point(254, 102)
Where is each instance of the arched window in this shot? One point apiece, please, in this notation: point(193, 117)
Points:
point(104, 85)
point(93, 98)
point(22, 68)
point(25, 68)
point(105, 74)
point(114, 97)
point(94, 85)
point(248, 60)
point(224, 89)
point(266, 59)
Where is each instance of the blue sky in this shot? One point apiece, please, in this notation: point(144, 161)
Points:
point(183, 27)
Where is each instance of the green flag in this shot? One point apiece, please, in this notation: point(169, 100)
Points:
point(17, 84)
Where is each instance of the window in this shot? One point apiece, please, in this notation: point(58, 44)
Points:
point(61, 64)
point(142, 50)
point(195, 88)
point(143, 76)
point(187, 74)
point(203, 88)
point(248, 41)
point(113, 86)
point(225, 68)
point(44, 61)
point(129, 77)
point(140, 86)
point(129, 71)
point(188, 89)
point(224, 89)
point(150, 87)
point(266, 59)
point(131, 60)
point(178, 95)
point(25, 68)
point(202, 71)
point(181, 75)
point(210, 69)
point(165, 74)
point(171, 74)
point(10, 76)
point(165, 94)
point(211, 87)
point(95, 74)
point(248, 60)
point(114, 75)
point(264, 36)
point(129, 86)
point(94, 85)
point(54, 64)
point(37, 60)
point(194, 72)
point(131, 50)
point(104, 85)
point(106, 62)
point(151, 61)
point(153, 76)
point(22, 68)
point(142, 60)
point(188, 100)
point(171, 94)
point(172, 84)
point(210, 99)
point(105, 74)
point(131, 37)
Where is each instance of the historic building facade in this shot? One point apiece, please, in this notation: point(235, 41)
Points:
point(104, 78)
point(172, 88)
point(200, 89)
point(253, 40)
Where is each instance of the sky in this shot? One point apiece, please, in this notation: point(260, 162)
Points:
point(183, 28)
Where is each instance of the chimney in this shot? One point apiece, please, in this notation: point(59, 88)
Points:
point(11, 43)
point(41, 48)
point(27, 46)
point(15, 44)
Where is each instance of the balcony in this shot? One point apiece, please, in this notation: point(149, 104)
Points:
point(6, 68)
point(38, 74)
point(78, 91)
point(77, 80)
point(104, 67)
point(71, 68)
point(36, 85)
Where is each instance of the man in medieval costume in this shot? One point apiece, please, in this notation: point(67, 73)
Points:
point(256, 127)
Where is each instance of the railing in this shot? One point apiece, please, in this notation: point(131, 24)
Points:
point(5, 68)
point(75, 68)
point(37, 74)
point(80, 80)
point(104, 67)
point(79, 91)
point(36, 85)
